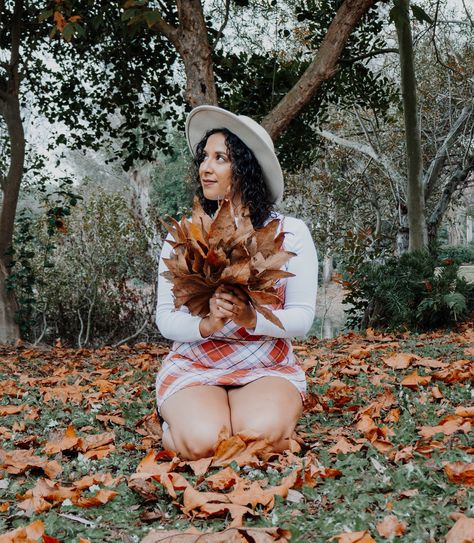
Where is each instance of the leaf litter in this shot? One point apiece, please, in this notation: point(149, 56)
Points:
point(383, 450)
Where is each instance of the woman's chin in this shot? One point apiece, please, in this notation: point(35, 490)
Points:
point(212, 195)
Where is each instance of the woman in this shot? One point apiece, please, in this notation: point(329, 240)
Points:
point(234, 369)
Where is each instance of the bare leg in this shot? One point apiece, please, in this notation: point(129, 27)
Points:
point(195, 416)
point(270, 406)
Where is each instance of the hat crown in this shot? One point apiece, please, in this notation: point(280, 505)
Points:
point(258, 128)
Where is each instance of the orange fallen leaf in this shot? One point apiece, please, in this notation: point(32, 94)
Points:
point(103, 496)
point(462, 531)
point(343, 446)
point(353, 537)
point(223, 480)
point(6, 410)
point(400, 361)
point(462, 411)
point(25, 534)
point(240, 535)
point(64, 442)
point(19, 461)
point(390, 526)
point(460, 472)
point(448, 426)
point(242, 449)
point(4, 507)
point(413, 380)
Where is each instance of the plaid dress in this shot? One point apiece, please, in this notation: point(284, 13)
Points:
point(231, 357)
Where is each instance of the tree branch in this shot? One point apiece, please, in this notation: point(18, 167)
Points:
point(436, 165)
point(168, 30)
point(456, 181)
point(367, 150)
point(323, 67)
point(223, 25)
point(373, 53)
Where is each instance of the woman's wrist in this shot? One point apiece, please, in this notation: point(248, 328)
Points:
point(207, 326)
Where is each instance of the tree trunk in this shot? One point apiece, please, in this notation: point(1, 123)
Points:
point(418, 235)
point(192, 43)
point(402, 240)
point(327, 268)
point(323, 67)
point(196, 53)
point(8, 327)
point(10, 185)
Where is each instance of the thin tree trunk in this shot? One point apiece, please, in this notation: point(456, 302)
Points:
point(10, 184)
point(418, 235)
point(323, 67)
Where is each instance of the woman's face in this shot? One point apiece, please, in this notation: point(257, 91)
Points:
point(215, 171)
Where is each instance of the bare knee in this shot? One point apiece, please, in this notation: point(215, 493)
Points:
point(276, 430)
point(197, 442)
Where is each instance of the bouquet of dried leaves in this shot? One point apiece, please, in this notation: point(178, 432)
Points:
point(225, 250)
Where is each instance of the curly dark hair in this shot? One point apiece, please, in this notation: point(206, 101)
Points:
point(247, 177)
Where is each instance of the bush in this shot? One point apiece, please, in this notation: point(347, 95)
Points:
point(415, 291)
point(461, 254)
point(91, 280)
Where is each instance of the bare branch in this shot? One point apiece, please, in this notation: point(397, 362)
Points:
point(223, 25)
point(459, 179)
point(349, 144)
point(138, 332)
point(468, 15)
point(373, 53)
point(438, 161)
point(367, 150)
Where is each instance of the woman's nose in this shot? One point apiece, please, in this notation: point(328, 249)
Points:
point(206, 165)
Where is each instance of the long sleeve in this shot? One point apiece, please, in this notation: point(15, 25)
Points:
point(300, 294)
point(177, 325)
point(297, 314)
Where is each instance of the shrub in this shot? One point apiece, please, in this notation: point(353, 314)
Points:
point(415, 291)
point(90, 281)
point(461, 254)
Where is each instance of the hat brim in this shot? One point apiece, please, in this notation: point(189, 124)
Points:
point(205, 118)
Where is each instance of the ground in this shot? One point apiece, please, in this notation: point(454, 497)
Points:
point(383, 451)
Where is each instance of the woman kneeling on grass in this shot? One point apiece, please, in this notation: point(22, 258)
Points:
point(235, 369)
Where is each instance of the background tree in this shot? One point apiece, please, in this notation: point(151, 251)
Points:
point(120, 67)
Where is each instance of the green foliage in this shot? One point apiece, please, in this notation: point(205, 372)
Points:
point(172, 187)
point(24, 279)
point(461, 254)
point(88, 282)
point(416, 291)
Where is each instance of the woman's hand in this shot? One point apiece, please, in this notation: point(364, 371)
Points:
point(233, 304)
point(215, 320)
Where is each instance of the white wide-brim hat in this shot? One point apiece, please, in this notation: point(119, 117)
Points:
point(256, 138)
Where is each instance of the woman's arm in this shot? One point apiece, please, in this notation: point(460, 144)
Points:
point(173, 324)
point(297, 314)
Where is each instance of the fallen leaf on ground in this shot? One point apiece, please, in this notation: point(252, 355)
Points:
point(231, 535)
point(413, 380)
point(391, 527)
point(26, 534)
point(11, 409)
point(400, 361)
point(19, 461)
point(462, 531)
point(460, 472)
point(353, 537)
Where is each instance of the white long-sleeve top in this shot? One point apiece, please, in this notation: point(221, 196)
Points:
point(298, 311)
